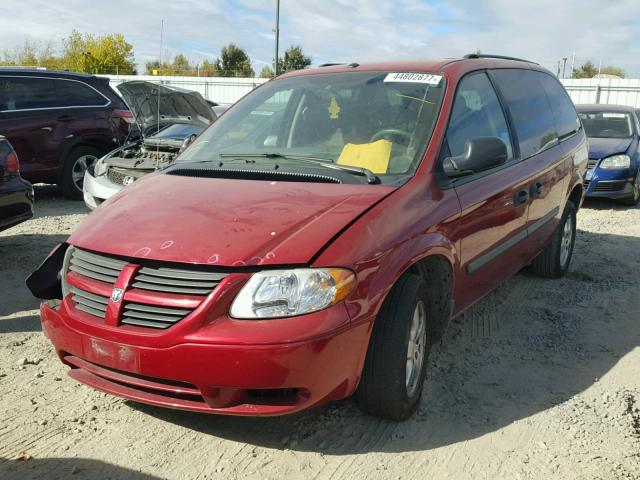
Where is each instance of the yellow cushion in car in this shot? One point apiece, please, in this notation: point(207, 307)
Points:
point(374, 156)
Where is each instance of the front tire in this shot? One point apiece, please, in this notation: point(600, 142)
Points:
point(76, 163)
point(633, 200)
point(554, 260)
point(395, 367)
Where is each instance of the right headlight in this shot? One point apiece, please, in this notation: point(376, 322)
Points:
point(286, 293)
point(100, 168)
point(616, 162)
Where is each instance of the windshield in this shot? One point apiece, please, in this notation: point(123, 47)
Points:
point(380, 121)
point(178, 131)
point(607, 124)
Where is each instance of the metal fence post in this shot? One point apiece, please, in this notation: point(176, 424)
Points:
point(598, 92)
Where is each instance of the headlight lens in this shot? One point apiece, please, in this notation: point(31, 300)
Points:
point(616, 161)
point(285, 293)
point(100, 168)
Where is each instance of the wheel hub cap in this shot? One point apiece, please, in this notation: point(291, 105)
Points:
point(565, 243)
point(416, 348)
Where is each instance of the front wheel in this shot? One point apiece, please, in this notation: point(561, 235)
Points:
point(76, 163)
point(554, 260)
point(635, 194)
point(395, 367)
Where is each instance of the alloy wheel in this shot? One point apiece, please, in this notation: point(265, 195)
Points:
point(566, 241)
point(416, 348)
point(79, 168)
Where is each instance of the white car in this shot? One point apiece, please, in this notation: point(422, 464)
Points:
point(183, 114)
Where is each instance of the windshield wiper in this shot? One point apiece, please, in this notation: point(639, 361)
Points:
point(371, 177)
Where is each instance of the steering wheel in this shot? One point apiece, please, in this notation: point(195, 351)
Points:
point(390, 132)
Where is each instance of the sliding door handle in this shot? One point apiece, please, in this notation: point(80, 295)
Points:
point(521, 197)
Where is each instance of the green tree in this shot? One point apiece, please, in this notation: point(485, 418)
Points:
point(109, 53)
point(589, 70)
point(234, 62)
point(294, 59)
point(32, 54)
point(266, 72)
point(209, 69)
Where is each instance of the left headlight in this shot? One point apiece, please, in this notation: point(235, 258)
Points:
point(285, 293)
point(616, 161)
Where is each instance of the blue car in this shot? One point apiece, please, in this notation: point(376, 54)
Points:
point(614, 158)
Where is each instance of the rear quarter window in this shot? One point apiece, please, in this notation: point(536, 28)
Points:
point(71, 93)
point(565, 114)
point(530, 110)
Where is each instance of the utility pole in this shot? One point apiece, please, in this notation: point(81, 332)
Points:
point(564, 66)
point(573, 63)
point(277, 31)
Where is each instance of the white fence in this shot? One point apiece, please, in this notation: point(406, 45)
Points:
point(228, 90)
point(217, 89)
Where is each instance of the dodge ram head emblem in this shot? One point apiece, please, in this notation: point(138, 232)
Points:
point(116, 294)
point(128, 180)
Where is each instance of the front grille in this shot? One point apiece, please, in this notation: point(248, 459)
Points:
point(94, 266)
point(591, 163)
point(149, 278)
point(90, 303)
point(610, 185)
point(151, 316)
point(172, 280)
point(116, 177)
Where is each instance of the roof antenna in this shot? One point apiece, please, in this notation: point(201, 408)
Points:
point(159, 84)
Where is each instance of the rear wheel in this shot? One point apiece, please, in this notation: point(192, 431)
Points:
point(554, 260)
point(395, 367)
point(76, 163)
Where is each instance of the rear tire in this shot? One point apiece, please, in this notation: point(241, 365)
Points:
point(76, 163)
point(395, 367)
point(554, 260)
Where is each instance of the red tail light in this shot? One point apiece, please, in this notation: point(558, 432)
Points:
point(13, 165)
point(125, 115)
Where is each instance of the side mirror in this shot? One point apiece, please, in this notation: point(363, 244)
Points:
point(480, 153)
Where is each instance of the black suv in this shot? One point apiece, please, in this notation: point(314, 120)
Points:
point(59, 123)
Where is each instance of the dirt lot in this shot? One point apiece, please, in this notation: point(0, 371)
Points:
point(539, 380)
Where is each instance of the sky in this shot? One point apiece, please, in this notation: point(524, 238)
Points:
point(543, 31)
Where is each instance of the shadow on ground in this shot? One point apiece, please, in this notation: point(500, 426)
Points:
point(65, 468)
point(530, 345)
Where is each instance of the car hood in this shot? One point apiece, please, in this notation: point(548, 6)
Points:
point(176, 104)
point(604, 147)
point(224, 222)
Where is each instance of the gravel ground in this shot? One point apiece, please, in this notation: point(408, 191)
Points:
point(541, 379)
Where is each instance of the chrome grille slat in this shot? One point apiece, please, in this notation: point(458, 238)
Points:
point(152, 316)
point(90, 303)
point(154, 309)
point(169, 289)
point(177, 283)
point(182, 274)
point(94, 275)
point(94, 268)
point(145, 323)
point(90, 310)
point(90, 296)
point(99, 259)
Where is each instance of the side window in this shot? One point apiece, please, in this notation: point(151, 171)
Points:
point(567, 121)
point(25, 93)
point(77, 94)
point(476, 113)
point(530, 110)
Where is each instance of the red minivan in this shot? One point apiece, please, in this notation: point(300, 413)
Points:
point(314, 242)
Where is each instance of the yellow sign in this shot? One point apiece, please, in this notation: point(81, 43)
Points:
point(374, 156)
point(154, 72)
point(334, 109)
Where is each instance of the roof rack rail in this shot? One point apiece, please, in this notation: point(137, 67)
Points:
point(501, 57)
point(352, 65)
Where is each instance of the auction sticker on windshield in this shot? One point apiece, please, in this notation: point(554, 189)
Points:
point(427, 78)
